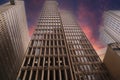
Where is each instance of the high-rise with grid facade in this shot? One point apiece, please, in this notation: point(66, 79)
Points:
point(59, 50)
point(110, 30)
point(14, 39)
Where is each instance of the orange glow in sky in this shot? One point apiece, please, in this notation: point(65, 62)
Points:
point(31, 30)
point(96, 43)
point(87, 30)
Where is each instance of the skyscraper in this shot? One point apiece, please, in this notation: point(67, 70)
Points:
point(59, 50)
point(112, 58)
point(13, 39)
point(110, 29)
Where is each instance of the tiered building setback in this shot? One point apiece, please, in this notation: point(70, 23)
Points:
point(59, 50)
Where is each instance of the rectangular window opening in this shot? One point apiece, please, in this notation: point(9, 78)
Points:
point(27, 75)
point(43, 51)
point(31, 62)
point(21, 75)
point(33, 52)
point(41, 61)
point(69, 74)
point(51, 75)
point(45, 74)
point(33, 75)
point(63, 74)
point(39, 75)
point(29, 51)
point(66, 61)
point(51, 61)
point(57, 75)
point(26, 61)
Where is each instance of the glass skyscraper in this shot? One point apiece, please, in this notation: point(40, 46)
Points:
point(110, 30)
point(59, 50)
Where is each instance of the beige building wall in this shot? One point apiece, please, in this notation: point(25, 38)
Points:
point(13, 39)
point(112, 61)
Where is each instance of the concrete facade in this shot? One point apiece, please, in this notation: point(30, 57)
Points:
point(59, 50)
point(14, 39)
point(112, 60)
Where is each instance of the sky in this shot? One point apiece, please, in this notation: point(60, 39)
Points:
point(88, 13)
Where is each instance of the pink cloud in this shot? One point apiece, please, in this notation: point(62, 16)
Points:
point(88, 23)
point(95, 42)
point(31, 30)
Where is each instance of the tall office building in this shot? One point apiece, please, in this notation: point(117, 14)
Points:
point(110, 30)
point(14, 39)
point(111, 60)
point(59, 50)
